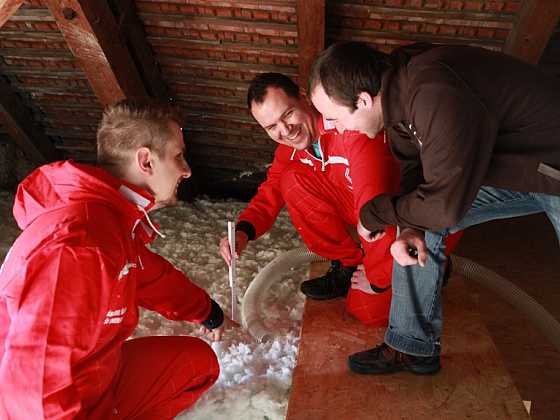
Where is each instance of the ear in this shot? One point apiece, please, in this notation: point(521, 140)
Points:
point(365, 100)
point(143, 160)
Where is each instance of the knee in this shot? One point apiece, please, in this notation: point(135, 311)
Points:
point(199, 355)
point(207, 357)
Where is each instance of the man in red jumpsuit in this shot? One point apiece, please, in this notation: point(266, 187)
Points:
point(314, 173)
point(72, 282)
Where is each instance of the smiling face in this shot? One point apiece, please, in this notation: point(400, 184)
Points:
point(169, 169)
point(367, 118)
point(287, 120)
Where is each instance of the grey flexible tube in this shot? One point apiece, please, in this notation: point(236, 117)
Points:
point(271, 273)
point(535, 312)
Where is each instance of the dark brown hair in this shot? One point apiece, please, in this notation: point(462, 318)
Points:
point(346, 69)
point(258, 86)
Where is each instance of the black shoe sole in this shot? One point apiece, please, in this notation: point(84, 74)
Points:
point(322, 297)
point(368, 370)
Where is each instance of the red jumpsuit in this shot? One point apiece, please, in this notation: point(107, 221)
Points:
point(323, 204)
point(69, 294)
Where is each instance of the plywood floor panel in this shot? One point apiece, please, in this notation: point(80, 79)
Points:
point(473, 383)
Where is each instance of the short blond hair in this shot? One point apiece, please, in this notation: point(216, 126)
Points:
point(127, 126)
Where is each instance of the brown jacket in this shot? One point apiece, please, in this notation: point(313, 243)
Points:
point(460, 117)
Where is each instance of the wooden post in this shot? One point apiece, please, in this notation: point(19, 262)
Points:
point(311, 35)
point(7, 9)
point(531, 33)
point(18, 122)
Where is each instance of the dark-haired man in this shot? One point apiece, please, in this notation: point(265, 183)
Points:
point(314, 173)
point(476, 133)
point(71, 284)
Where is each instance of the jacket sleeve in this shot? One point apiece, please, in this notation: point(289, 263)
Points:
point(55, 321)
point(264, 207)
point(457, 134)
point(166, 290)
point(373, 169)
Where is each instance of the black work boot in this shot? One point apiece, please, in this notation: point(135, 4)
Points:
point(335, 283)
point(384, 359)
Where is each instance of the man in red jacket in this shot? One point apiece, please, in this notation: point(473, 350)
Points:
point(72, 282)
point(314, 173)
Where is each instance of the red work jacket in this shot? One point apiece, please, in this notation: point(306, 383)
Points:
point(70, 289)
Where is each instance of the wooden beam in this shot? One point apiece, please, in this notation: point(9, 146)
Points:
point(92, 34)
point(534, 26)
point(131, 30)
point(311, 35)
point(18, 122)
point(7, 9)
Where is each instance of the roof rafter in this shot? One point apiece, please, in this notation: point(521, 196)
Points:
point(94, 37)
point(132, 31)
point(7, 9)
point(535, 24)
point(18, 122)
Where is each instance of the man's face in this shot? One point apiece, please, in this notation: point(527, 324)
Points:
point(367, 118)
point(169, 169)
point(287, 120)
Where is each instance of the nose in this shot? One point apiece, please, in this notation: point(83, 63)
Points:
point(283, 128)
point(187, 172)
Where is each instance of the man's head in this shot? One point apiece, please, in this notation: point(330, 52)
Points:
point(287, 117)
point(143, 144)
point(344, 86)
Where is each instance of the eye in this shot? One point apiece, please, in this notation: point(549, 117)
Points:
point(289, 113)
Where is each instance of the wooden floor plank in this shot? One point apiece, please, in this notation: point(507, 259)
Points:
point(473, 382)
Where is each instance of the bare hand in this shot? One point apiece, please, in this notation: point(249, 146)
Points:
point(217, 333)
point(407, 240)
point(241, 240)
point(360, 282)
point(368, 235)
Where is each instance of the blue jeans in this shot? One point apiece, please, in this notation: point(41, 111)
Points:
point(415, 321)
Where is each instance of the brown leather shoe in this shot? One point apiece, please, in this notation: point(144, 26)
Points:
point(384, 359)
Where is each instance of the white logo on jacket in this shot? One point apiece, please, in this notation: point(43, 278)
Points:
point(337, 159)
point(116, 316)
point(307, 162)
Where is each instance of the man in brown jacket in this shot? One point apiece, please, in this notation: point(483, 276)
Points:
point(478, 137)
